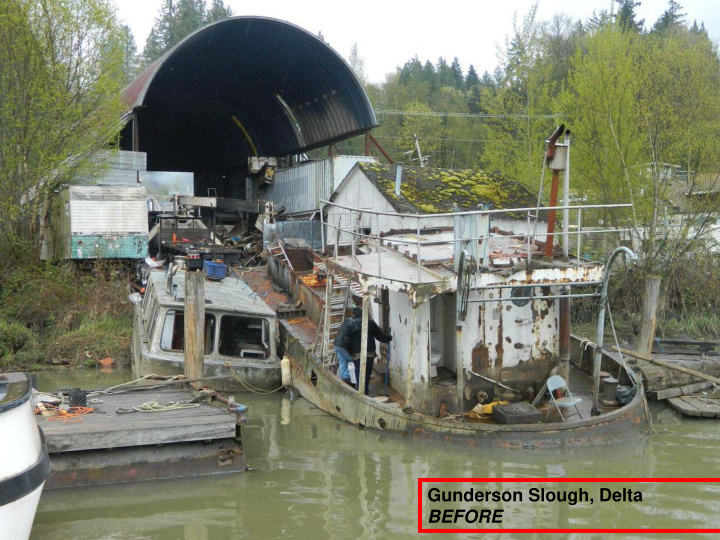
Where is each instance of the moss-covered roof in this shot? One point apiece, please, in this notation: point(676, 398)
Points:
point(435, 191)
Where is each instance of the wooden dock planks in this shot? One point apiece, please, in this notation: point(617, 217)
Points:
point(698, 406)
point(105, 429)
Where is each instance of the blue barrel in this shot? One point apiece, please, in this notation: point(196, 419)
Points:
point(215, 270)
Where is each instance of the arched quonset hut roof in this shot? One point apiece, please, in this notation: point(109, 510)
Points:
point(241, 87)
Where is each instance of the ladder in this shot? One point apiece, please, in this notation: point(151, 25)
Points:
point(337, 296)
point(278, 251)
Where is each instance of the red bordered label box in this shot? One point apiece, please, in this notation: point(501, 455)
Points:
point(422, 481)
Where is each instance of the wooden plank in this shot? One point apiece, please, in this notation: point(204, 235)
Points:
point(128, 422)
point(685, 408)
point(141, 436)
point(194, 324)
point(697, 406)
point(680, 368)
point(679, 390)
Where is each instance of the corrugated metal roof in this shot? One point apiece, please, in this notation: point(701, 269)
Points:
point(243, 86)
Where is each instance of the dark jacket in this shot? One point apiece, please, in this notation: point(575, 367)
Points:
point(374, 333)
point(344, 336)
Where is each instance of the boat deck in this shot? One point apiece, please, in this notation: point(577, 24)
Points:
point(304, 330)
point(109, 446)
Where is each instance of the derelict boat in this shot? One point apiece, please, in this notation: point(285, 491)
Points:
point(24, 462)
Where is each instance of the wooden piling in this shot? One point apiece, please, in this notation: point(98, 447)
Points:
point(194, 324)
point(364, 342)
point(649, 316)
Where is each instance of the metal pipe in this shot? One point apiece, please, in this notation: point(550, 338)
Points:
point(481, 238)
point(579, 231)
point(492, 286)
point(418, 249)
point(476, 212)
point(377, 224)
point(551, 297)
point(601, 325)
point(322, 232)
point(564, 364)
point(566, 196)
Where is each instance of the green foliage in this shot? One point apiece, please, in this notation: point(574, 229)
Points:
point(95, 338)
point(178, 19)
point(59, 101)
point(14, 337)
point(428, 128)
point(57, 312)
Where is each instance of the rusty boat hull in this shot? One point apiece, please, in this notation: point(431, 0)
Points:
point(322, 388)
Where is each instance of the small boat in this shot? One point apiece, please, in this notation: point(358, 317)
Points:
point(239, 333)
point(24, 462)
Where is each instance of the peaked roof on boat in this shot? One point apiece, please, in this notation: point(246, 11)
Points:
point(230, 294)
point(427, 190)
point(244, 86)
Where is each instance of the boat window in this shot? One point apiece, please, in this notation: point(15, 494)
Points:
point(244, 337)
point(173, 332)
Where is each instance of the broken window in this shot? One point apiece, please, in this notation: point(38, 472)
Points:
point(173, 332)
point(244, 337)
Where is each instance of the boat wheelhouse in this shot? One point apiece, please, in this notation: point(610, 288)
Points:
point(240, 332)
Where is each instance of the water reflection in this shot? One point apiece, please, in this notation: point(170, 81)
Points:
point(316, 477)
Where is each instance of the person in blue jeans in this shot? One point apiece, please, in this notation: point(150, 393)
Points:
point(343, 343)
point(374, 333)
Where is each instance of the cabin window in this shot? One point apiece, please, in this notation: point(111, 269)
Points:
point(173, 332)
point(244, 337)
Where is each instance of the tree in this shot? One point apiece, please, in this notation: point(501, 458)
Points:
point(218, 12)
point(131, 59)
point(472, 78)
point(643, 106)
point(59, 103)
point(357, 63)
point(162, 35)
point(178, 19)
point(427, 127)
point(627, 18)
point(671, 18)
point(458, 79)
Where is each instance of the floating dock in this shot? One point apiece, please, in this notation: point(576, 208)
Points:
point(108, 446)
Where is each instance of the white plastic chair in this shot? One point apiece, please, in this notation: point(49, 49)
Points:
point(556, 382)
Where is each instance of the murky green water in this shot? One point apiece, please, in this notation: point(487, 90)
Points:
point(316, 477)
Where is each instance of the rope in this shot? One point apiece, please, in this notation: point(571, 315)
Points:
point(154, 406)
point(632, 378)
point(248, 386)
point(151, 376)
point(70, 416)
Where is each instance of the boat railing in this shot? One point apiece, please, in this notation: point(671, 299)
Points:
point(371, 220)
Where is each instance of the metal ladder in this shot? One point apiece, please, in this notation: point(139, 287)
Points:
point(279, 250)
point(337, 296)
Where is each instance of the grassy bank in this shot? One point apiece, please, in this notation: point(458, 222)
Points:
point(52, 313)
